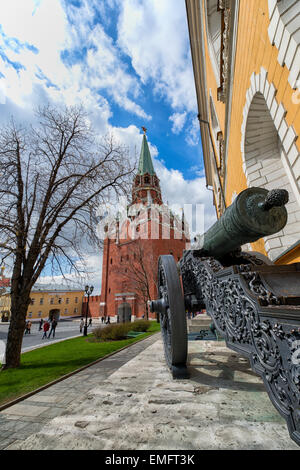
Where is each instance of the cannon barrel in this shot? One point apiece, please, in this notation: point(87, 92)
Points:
point(255, 213)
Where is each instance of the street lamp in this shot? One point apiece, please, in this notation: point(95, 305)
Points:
point(88, 291)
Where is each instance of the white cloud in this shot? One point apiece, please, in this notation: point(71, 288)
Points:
point(35, 34)
point(193, 133)
point(178, 120)
point(92, 276)
point(180, 192)
point(154, 34)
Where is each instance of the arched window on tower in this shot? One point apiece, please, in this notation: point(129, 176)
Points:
point(146, 180)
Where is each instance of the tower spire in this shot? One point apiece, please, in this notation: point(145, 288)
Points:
point(145, 162)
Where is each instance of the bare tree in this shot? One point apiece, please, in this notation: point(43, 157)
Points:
point(139, 272)
point(53, 177)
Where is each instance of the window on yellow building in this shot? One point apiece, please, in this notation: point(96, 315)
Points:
point(60, 300)
point(32, 301)
point(41, 301)
point(75, 310)
point(51, 300)
point(39, 314)
point(76, 300)
point(214, 31)
point(67, 300)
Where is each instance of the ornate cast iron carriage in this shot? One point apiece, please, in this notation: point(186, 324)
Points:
point(254, 304)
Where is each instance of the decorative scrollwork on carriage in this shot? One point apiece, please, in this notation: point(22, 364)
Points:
point(254, 304)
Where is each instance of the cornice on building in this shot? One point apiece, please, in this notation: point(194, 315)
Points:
point(196, 28)
point(195, 12)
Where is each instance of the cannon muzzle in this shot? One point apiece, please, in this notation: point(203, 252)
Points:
point(255, 213)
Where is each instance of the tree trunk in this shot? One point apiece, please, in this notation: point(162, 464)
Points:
point(16, 329)
point(147, 311)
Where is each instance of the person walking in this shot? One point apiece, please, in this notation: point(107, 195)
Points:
point(45, 328)
point(29, 327)
point(108, 320)
point(90, 321)
point(41, 324)
point(53, 326)
point(26, 328)
point(81, 325)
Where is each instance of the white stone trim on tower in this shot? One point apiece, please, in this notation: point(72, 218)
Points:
point(284, 33)
point(289, 173)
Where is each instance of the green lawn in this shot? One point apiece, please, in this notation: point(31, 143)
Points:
point(46, 364)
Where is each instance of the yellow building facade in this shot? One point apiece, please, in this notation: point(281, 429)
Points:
point(55, 304)
point(4, 304)
point(246, 61)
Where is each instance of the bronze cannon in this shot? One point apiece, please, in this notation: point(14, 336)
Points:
point(253, 303)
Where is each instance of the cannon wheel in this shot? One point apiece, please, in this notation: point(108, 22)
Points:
point(172, 317)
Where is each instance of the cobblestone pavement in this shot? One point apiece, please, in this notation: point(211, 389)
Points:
point(130, 401)
point(29, 416)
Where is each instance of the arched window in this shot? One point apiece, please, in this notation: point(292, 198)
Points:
point(266, 167)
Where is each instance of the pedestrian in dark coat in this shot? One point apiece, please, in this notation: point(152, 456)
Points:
point(41, 324)
point(53, 326)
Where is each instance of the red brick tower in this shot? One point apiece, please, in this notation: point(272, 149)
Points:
point(132, 247)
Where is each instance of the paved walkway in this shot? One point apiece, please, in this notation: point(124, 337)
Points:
point(129, 401)
point(30, 416)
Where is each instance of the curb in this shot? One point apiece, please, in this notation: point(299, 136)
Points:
point(60, 379)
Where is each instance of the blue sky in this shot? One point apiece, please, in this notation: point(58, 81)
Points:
point(127, 61)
